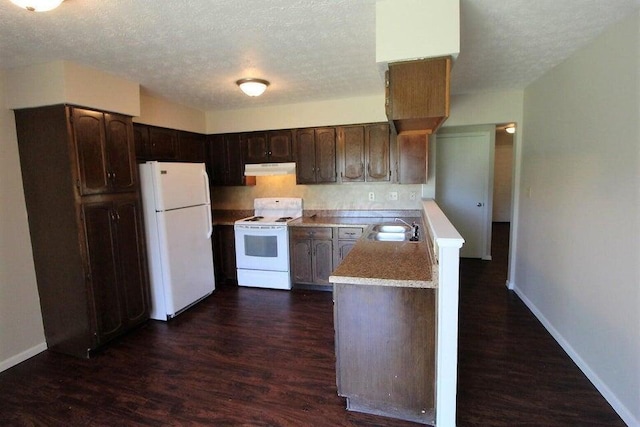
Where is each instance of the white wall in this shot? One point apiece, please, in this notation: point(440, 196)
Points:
point(160, 112)
point(578, 260)
point(310, 114)
point(412, 29)
point(64, 82)
point(21, 331)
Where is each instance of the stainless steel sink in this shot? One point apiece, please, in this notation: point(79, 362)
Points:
point(391, 228)
point(389, 237)
point(392, 233)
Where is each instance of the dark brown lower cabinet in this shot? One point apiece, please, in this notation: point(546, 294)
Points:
point(311, 255)
point(385, 350)
point(116, 279)
point(224, 254)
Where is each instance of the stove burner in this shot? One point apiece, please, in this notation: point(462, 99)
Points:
point(254, 218)
point(284, 219)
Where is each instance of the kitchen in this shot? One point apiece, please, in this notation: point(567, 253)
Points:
point(498, 108)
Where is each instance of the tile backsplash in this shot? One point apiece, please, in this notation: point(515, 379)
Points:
point(323, 196)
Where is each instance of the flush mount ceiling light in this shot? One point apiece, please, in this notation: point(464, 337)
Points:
point(510, 129)
point(37, 5)
point(253, 87)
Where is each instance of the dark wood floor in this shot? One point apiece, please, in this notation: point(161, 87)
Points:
point(254, 357)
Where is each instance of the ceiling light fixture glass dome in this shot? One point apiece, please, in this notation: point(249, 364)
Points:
point(253, 87)
point(38, 5)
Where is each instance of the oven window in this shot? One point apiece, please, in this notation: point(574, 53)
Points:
point(261, 246)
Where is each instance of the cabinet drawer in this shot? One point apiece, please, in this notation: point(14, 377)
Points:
point(311, 232)
point(349, 232)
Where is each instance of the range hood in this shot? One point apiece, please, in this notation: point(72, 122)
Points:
point(268, 169)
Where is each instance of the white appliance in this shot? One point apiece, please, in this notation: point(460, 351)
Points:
point(262, 243)
point(178, 223)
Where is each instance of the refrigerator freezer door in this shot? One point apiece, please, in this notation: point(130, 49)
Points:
point(178, 185)
point(183, 271)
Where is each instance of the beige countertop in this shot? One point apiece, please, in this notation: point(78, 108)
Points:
point(338, 221)
point(402, 264)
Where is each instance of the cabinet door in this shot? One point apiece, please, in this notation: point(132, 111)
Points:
point(305, 156)
point(89, 138)
point(224, 253)
point(344, 246)
point(325, 155)
point(280, 147)
point(257, 149)
point(141, 141)
point(101, 236)
point(164, 143)
point(192, 147)
point(352, 141)
point(412, 158)
point(322, 261)
point(378, 160)
point(217, 159)
point(235, 150)
point(120, 153)
point(301, 266)
point(133, 270)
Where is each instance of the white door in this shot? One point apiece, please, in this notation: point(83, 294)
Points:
point(462, 187)
point(177, 185)
point(186, 256)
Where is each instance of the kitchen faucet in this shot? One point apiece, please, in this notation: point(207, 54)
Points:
point(413, 225)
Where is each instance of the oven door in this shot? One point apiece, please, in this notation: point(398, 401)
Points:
point(262, 247)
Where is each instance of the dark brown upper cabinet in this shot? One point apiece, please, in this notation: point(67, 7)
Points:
point(365, 153)
point(225, 153)
point(417, 94)
point(315, 155)
point(412, 157)
point(192, 147)
point(163, 143)
point(155, 143)
point(268, 147)
point(104, 149)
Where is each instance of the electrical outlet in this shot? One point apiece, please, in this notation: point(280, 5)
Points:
point(372, 196)
point(393, 195)
point(412, 195)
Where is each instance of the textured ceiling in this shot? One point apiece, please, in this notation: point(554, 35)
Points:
point(192, 51)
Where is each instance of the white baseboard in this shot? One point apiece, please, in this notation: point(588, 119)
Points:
point(21, 357)
point(604, 390)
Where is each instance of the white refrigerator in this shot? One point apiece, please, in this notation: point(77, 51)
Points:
point(178, 224)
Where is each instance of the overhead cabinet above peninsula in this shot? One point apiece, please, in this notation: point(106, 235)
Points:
point(417, 94)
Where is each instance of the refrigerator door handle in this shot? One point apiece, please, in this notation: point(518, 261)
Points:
point(210, 222)
point(206, 186)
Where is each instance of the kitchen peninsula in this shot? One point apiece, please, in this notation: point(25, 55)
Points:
point(385, 323)
point(395, 319)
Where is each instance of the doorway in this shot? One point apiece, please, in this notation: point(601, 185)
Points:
point(464, 184)
point(474, 182)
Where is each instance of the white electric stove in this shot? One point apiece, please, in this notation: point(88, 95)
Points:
point(262, 243)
